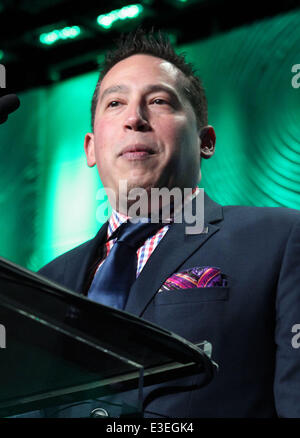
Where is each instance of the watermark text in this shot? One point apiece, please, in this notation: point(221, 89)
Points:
point(2, 76)
point(2, 336)
point(156, 205)
point(296, 78)
point(296, 338)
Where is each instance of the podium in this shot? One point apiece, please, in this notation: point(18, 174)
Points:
point(58, 348)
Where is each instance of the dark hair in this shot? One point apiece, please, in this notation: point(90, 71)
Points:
point(140, 42)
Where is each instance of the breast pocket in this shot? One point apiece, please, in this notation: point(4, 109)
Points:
point(196, 314)
point(192, 295)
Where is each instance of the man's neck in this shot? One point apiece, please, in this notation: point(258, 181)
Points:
point(166, 213)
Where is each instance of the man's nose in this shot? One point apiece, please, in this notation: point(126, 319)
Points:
point(137, 119)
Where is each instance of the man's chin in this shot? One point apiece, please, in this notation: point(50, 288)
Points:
point(145, 200)
point(140, 185)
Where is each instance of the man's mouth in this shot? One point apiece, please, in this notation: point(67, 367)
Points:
point(137, 152)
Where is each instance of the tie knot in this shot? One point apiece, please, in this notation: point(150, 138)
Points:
point(135, 234)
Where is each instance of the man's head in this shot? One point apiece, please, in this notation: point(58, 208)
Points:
point(160, 47)
point(149, 117)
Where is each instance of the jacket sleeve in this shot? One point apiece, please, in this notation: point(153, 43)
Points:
point(287, 367)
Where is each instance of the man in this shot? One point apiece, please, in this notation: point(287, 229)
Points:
point(150, 129)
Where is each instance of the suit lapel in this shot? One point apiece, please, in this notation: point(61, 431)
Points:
point(82, 259)
point(166, 258)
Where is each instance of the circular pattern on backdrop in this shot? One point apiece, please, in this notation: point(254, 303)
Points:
point(255, 111)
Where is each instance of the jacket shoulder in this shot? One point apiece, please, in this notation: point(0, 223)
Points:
point(263, 216)
point(55, 269)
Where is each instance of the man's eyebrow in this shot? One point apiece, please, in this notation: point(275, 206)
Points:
point(114, 89)
point(151, 88)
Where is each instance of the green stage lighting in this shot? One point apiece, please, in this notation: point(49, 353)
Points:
point(1, 55)
point(183, 3)
point(52, 37)
point(127, 12)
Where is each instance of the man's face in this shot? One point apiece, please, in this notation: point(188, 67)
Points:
point(145, 129)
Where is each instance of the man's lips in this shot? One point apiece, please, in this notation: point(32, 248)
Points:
point(134, 152)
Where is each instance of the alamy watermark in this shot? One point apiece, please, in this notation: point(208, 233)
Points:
point(156, 205)
point(296, 338)
point(2, 76)
point(296, 78)
point(2, 336)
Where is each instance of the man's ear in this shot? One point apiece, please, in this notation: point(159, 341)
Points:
point(89, 149)
point(208, 141)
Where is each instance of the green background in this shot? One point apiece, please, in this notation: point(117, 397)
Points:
point(48, 197)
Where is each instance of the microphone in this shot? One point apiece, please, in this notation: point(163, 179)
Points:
point(8, 104)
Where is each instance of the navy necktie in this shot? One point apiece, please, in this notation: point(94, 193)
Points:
point(115, 276)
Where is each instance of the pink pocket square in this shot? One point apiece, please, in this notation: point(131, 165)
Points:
point(204, 276)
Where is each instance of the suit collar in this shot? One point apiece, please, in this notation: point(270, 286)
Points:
point(82, 258)
point(213, 212)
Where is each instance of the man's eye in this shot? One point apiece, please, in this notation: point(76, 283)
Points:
point(159, 101)
point(113, 103)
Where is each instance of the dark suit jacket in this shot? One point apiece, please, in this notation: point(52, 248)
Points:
point(249, 323)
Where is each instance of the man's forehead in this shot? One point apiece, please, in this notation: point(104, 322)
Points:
point(156, 71)
point(151, 65)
